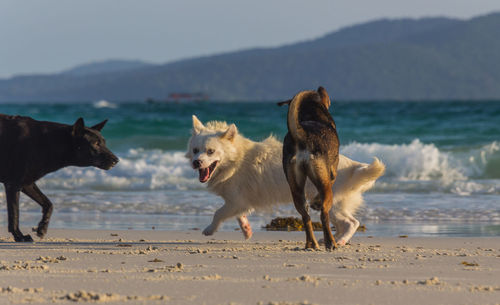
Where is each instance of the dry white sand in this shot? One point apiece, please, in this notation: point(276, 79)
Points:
point(163, 267)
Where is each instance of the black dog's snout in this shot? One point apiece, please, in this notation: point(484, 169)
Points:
point(115, 160)
point(108, 161)
point(196, 163)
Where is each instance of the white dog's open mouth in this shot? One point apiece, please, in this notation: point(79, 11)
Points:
point(206, 172)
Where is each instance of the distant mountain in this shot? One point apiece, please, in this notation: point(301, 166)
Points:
point(380, 31)
point(430, 58)
point(106, 66)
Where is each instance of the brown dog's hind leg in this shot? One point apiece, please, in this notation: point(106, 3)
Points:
point(34, 193)
point(321, 179)
point(297, 182)
point(325, 218)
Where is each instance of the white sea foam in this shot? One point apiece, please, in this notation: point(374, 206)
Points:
point(419, 167)
point(138, 169)
point(105, 104)
point(415, 168)
point(414, 161)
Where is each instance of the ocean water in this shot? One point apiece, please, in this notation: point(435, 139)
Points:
point(442, 158)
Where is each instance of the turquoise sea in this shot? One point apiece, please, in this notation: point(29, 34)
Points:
point(442, 158)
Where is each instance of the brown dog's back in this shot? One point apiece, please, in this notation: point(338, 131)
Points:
point(311, 127)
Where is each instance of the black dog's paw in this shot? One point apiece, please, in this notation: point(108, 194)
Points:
point(41, 230)
point(23, 238)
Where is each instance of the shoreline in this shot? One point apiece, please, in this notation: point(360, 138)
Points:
point(85, 220)
point(184, 267)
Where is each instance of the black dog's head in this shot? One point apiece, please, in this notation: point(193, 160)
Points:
point(89, 147)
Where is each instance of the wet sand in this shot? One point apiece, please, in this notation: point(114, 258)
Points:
point(165, 267)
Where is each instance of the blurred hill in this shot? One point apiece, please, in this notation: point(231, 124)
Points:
point(429, 58)
point(106, 67)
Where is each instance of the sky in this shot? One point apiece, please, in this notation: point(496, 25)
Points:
point(53, 35)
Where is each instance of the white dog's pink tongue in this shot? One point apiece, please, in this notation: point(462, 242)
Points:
point(204, 174)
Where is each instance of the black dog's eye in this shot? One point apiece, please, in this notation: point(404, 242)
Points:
point(210, 151)
point(196, 150)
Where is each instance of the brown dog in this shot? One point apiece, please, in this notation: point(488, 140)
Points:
point(311, 150)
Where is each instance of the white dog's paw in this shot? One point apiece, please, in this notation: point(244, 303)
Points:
point(210, 230)
point(347, 228)
point(341, 242)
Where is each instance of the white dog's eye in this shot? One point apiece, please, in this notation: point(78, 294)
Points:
point(195, 150)
point(210, 151)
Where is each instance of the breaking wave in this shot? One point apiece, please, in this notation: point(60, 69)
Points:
point(138, 169)
point(414, 167)
point(104, 104)
point(419, 167)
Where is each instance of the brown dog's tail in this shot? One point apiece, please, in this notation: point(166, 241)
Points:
point(294, 126)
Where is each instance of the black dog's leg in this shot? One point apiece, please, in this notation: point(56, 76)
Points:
point(12, 193)
point(34, 193)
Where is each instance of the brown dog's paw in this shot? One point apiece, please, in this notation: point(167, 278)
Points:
point(330, 246)
point(316, 203)
point(312, 245)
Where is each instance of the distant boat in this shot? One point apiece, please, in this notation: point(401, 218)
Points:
point(180, 97)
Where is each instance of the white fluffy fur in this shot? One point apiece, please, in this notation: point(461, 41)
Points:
point(250, 176)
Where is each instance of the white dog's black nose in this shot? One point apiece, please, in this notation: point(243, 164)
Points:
point(196, 163)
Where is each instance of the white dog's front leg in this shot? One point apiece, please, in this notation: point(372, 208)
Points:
point(225, 212)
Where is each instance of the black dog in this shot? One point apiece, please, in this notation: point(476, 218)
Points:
point(311, 150)
point(30, 149)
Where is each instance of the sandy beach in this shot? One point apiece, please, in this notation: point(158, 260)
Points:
point(166, 267)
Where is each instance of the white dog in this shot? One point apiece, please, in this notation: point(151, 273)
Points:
point(249, 175)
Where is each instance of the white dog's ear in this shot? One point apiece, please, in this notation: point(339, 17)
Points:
point(197, 125)
point(230, 133)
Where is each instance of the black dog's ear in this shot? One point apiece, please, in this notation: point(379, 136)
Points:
point(284, 103)
point(99, 126)
point(78, 128)
point(325, 99)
